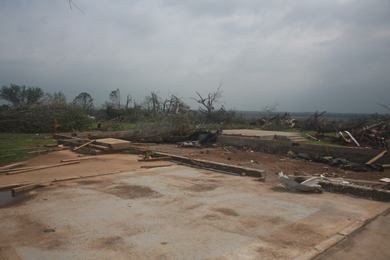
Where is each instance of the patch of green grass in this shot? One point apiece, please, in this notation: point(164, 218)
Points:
point(12, 146)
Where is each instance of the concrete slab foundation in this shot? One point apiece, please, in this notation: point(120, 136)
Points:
point(267, 135)
point(174, 213)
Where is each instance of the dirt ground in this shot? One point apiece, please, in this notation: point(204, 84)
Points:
point(272, 163)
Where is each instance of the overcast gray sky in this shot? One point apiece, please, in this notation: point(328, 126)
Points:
point(305, 54)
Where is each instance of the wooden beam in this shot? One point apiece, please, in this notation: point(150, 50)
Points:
point(31, 186)
point(79, 159)
point(327, 151)
point(81, 146)
point(376, 157)
point(40, 167)
point(14, 165)
point(312, 137)
point(155, 159)
point(7, 155)
point(155, 166)
point(11, 170)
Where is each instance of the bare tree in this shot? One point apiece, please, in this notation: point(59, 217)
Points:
point(382, 105)
point(115, 97)
point(207, 105)
point(128, 100)
point(71, 3)
point(174, 105)
point(269, 109)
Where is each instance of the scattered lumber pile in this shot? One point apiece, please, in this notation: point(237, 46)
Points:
point(105, 144)
point(375, 135)
point(371, 132)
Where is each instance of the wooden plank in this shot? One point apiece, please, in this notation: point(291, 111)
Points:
point(63, 136)
point(155, 166)
point(40, 151)
point(14, 165)
point(31, 186)
point(312, 137)
point(81, 146)
point(386, 165)
point(11, 185)
point(7, 155)
point(78, 159)
point(11, 170)
point(327, 151)
point(155, 159)
point(40, 167)
point(376, 157)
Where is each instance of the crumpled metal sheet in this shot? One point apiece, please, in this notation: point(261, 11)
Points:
point(308, 185)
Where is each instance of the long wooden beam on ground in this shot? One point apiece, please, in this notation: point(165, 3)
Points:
point(81, 146)
point(13, 185)
point(155, 159)
point(40, 167)
point(11, 170)
point(155, 166)
point(30, 186)
point(14, 165)
point(79, 159)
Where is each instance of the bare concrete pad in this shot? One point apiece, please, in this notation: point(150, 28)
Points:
point(103, 164)
point(175, 213)
point(115, 144)
point(262, 134)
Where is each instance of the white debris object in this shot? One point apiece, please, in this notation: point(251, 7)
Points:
point(308, 185)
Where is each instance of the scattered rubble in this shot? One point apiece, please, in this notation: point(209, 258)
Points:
point(341, 162)
point(371, 132)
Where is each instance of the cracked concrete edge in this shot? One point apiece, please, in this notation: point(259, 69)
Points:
point(338, 237)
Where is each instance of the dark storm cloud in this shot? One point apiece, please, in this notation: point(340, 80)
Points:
point(308, 55)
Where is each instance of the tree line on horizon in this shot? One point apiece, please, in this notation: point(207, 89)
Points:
point(30, 106)
point(30, 109)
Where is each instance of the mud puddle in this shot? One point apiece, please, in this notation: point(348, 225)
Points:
point(7, 198)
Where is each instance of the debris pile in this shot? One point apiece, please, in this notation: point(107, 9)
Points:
point(371, 132)
point(343, 163)
point(206, 141)
point(375, 135)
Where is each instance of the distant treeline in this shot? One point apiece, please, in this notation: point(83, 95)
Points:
point(302, 115)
